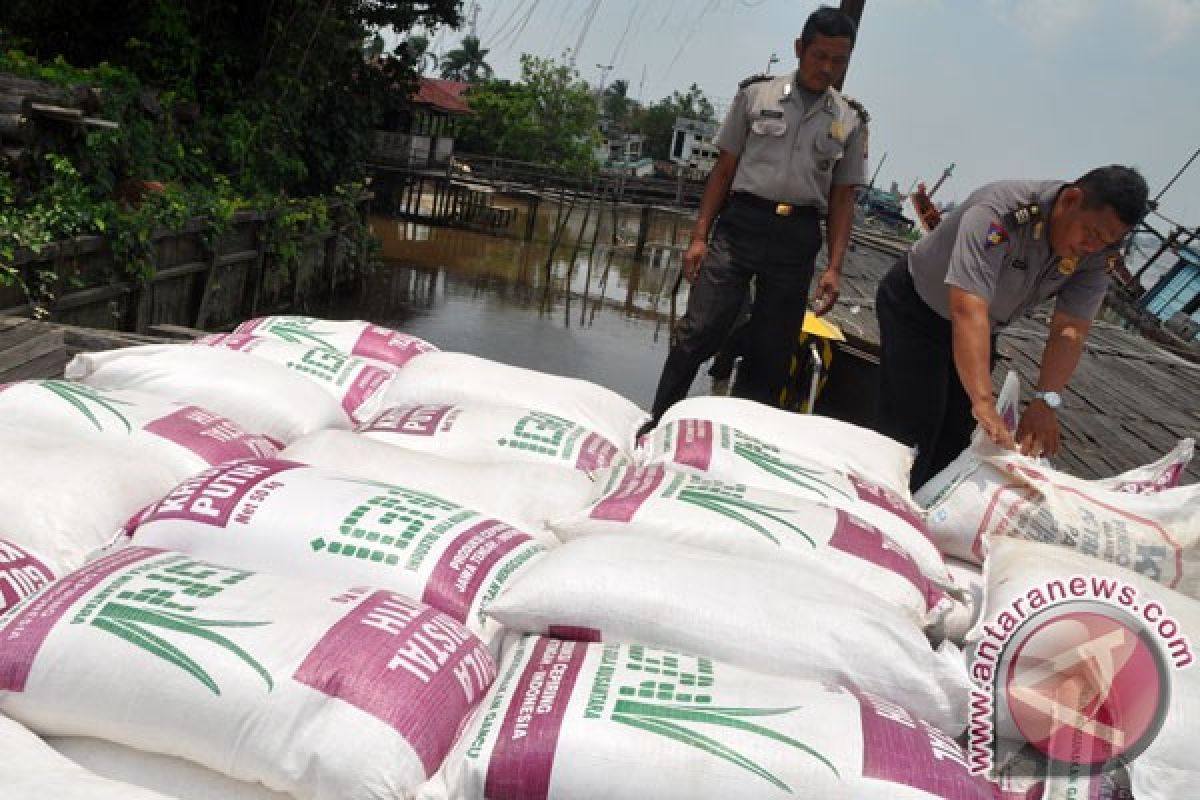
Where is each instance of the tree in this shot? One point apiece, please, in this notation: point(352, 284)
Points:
point(417, 52)
point(657, 122)
point(617, 104)
point(549, 117)
point(467, 62)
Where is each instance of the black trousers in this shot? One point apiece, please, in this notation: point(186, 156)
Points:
point(749, 241)
point(922, 402)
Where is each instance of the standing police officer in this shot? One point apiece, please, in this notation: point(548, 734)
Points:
point(1010, 246)
point(792, 149)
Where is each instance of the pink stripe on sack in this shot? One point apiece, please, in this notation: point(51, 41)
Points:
point(859, 539)
point(250, 325)
point(575, 633)
point(367, 382)
point(596, 452)
point(21, 574)
point(623, 502)
point(898, 748)
point(210, 436)
point(882, 497)
point(385, 344)
point(228, 341)
point(420, 420)
point(523, 757)
point(694, 443)
point(406, 664)
point(212, 496)
point(468, 561)
point(23, 632)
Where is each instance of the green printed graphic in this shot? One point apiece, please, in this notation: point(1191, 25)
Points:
point(383, 526)
point(81, 397)
point(293, 332)
point(681, 709)
point(766, 457)
point(539, 432)
point(727, 500)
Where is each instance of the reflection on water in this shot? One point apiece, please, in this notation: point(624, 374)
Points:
point(583, 309)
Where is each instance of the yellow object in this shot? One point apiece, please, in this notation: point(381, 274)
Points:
point(795, 394)
point(784, 209)
point(818, 326)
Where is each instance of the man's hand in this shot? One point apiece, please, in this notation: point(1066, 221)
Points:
point(695, 254)
point(828, 289)
point(1037, 435)
point(992, 423)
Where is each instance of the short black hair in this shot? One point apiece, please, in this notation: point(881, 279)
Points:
point(828, 21)
point(1120, 188)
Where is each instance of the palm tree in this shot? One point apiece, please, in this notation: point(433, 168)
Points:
point(466, 63)
point(617, 103)
point(417, 46)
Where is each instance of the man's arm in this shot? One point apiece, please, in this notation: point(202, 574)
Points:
point(716, 190)
point(972, 359)
point(837, 237)
point(1038, 432)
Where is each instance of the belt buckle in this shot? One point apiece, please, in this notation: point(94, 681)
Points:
point(783, 209)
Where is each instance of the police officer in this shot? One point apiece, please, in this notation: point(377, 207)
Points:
point(792, 150)
point(1010, 246)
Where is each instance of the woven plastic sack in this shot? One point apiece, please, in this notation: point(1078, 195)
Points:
point(356, 383)
point(352, 337)
point(722, 452)
point(22, 572)
point(451, 378)
point(773, 617)
point(32, 770)
point(490, 433)
point(524, 495)
point(299, 520)
point(314, 688)
point(963, 611)
point(255, 394)
point(564, 714)
point(659, 503)
point(186, 438)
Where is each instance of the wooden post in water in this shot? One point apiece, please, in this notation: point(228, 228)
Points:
point(532, 204)
point(643, 232)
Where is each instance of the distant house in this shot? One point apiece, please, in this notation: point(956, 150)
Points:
point(1175, 299)
point(692, 144)
point(422, 133)
point(622, 151)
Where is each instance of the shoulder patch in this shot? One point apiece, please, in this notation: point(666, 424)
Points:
point(996, 235)
point(753, 79)
point(1023, 215)
point(857, 106)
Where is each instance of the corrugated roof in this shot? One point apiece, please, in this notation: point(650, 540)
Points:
point(443, 95)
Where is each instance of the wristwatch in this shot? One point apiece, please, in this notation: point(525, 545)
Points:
point(1051, 399)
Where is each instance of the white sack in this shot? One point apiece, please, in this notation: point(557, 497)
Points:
point(659, 503)
point(356, 383)
point(22, 572)
point(292, 519)
point(31, 770)
point(569, 720)
point(963, 612)
point(523, 495)
point(721, 451)
point(311, 687)
point(490, 433)
point(260, 396)
point(352, 337)
point(184, 437)
point(62, 497)
point(447, 378)
point(779, 618)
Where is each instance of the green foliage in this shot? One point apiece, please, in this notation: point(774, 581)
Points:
point(548, 117)
point(467, 62)
point(657, 122)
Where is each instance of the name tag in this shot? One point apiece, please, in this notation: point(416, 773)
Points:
point(772, 113)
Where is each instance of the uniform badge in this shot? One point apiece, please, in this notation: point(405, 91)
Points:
point(1066, 266)
point(995, 235)
point(1112, 262)
point(837, 130)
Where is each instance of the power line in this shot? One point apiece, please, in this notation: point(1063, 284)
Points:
point(625, 33)
point(516, 10)
point(586, 27)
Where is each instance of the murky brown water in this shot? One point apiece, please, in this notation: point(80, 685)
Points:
point(568, 310)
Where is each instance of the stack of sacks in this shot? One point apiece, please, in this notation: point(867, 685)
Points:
point(454, 378)
point(568, 720)
point(352, 337)
point(254, 393)
point(1023, 577)
point(817, 458)
point(315, 688)
point(357, 384)
point(31, 770)
point(659, 503)
point(526, 496)
point(488, 433)
point(293, 519)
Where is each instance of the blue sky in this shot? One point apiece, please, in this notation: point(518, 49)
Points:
point(1002, 88)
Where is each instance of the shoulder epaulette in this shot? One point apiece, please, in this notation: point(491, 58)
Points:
point(857, 106)
point(753, 79)
point(1024, 214)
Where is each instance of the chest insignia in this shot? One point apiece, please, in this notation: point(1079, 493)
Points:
point(1067, 265)
point(996, 235)
point(771, 113)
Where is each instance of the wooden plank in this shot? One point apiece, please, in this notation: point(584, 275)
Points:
point(44, 367)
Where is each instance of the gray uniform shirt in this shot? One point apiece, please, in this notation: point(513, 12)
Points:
point(787, 153)
point(1010, 266)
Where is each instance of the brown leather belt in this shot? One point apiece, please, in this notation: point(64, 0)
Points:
point(776, 208)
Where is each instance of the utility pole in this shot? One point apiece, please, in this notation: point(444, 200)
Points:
point(774, 59)
point(474, 19)
point(604, 70)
